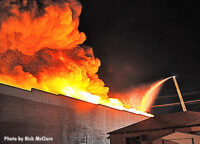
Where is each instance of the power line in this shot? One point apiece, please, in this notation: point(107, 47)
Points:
point(184, 94)
point(172, 104)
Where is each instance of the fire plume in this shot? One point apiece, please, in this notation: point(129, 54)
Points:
point(43, 51)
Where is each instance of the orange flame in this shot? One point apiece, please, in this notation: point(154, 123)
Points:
point(43, 52)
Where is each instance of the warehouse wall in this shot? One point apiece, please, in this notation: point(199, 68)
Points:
point(66, 120)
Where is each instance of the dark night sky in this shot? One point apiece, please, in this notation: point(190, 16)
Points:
point(142, 41)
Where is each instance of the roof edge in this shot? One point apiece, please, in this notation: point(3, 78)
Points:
point(152, 129)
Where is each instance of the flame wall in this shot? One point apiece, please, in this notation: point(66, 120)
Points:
point(65, 119)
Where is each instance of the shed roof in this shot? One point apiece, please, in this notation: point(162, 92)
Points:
point(165, 121)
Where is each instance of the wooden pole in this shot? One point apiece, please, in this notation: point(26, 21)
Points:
point(179, 94)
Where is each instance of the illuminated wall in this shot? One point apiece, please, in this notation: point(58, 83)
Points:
point(66, 120)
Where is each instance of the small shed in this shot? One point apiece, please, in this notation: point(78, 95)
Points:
point(172, 128)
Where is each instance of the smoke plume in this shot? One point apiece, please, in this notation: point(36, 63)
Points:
point(41, 47)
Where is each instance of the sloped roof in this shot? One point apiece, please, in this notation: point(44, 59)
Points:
point(181, 138)
point(165, 121)
point(179, 135)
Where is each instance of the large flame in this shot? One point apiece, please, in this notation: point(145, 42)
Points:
point(43, 51)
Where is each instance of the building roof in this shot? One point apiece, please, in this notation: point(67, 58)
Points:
point(165, 121)
point(179, 138)
point(57, 99)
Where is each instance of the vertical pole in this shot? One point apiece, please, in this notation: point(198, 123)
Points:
point(192, 141)
point(179, 94)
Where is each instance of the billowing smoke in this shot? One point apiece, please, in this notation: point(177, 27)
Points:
point(41, 47)
point(31, 28)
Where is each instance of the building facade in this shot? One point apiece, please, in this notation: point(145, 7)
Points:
point(39, 115)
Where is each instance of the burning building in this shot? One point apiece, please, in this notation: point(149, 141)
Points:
point(41, 50)
point(66, 120)
point(41, 47)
